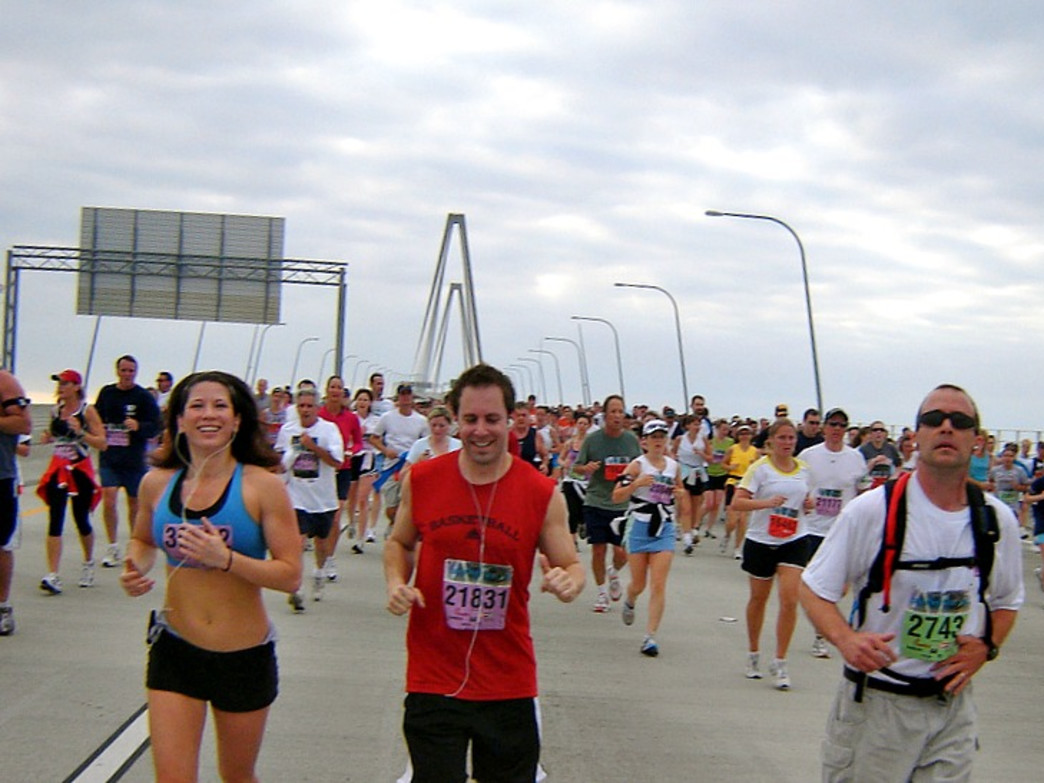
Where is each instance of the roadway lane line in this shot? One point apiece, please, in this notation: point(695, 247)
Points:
point(117, 754)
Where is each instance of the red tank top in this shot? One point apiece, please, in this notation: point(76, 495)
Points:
point(461, 591)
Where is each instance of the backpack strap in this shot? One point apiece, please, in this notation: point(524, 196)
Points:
point(986, 534)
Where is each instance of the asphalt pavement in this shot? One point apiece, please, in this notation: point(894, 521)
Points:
point(71, 677)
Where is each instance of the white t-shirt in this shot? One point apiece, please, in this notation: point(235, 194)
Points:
point(784, 523)
point(834, 479)
point(925, 605)
point(419, 447)
point(311, 483)
point(690, 452)
point(400, 432)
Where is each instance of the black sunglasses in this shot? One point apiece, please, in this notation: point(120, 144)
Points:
point(935, 418)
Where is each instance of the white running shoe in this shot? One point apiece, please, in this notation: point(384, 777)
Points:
point(296, 601)
point(7, 623)
point(87, 574)
point(601, 604)
point(753, 672)
point(778, 669)
point(330, 568)
point(112, 557)
point(615, 590)
point(628, 613)
point(371, 538)
point(318, 583)
point(819, 648)
point(52, 583)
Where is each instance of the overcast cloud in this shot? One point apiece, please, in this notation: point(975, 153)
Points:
point(583, 141)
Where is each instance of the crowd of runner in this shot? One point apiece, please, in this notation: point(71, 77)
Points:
point(637, 485)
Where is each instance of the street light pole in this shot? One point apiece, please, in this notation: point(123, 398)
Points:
point(558, 371)
point(585, 391)
point(677, 326)
point(297, 359)
point(261, 347)
point(616, 340)
point(804, 275)
point(529, 373)
point(543, 381)
point(322, 365)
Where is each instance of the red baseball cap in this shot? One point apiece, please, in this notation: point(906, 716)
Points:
point(68, 375)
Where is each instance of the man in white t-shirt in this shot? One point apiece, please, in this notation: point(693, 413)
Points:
point(836, 475)
point(397, 430)
point(904, 710)
point(312, 450)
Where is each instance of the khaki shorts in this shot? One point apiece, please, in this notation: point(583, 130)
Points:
point(890, 736)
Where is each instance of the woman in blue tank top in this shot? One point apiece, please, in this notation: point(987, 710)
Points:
point(214, 509)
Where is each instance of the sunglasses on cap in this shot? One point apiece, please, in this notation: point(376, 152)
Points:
point(935, 418)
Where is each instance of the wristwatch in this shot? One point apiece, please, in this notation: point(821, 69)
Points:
point(992, 650)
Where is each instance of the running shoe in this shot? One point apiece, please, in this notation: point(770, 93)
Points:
point(753, 672)
point(330, 569)
point(628, 613)
point(650, 648)
point(296, 601)
point(778, 670)
point(688, 549)
point(819, 648)
point(601, 604)
point(309, 545)
point(357, 549)
point(737, 555)
point(112, 557)
point(371, 538)
point(615, 590)
point(318, 582)
point(52, 583)
point(708, 534)
point(723, 545)
point(7, 623)
point(1039, 573)
point(87, 574)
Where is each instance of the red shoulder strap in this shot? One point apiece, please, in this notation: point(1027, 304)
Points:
point(890, 549)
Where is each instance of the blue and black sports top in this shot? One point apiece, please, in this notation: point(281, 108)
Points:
point(241, 531)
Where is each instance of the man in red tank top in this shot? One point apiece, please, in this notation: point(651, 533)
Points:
point(483, 516)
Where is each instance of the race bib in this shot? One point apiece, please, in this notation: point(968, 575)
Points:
point(661, 490)
point(1010, 497)
point(931, 624)
point(475, 595)
point(116, 435)
point(828, 502)
point(67, 451)
point(170, 542)
point(783, 522)
point(614, 467)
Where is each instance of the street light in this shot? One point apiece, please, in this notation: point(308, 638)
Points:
point(804, 275)
point(516, 378)
point(532, 384)
point(558, 371)
point(261, 347)
point(543, 381)
point(585, 390)
point(322, 365)
point(677, 326)
point(355, 369)
point(297, 359)
point(616, 340)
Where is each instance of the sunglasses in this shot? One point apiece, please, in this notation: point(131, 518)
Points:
point(935, 418)
point(837, 424)
point(882, 429)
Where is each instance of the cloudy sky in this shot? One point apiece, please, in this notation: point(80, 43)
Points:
point(583, 141)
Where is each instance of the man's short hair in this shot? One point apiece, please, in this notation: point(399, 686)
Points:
point(810, 412)
point(308, 391)
point(478, 376)
point(126, 358)
point(612, 397)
